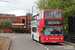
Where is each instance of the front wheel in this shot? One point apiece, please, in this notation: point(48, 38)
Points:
point(39, 39)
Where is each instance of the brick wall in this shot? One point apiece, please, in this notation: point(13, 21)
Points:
point(17, 20)
point(21, 18)
point(6, 30)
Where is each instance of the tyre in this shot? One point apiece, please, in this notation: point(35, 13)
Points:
point(32, 37)
point(39, 39)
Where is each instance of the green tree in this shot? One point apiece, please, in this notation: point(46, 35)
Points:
point(68, 7)
point(8, 23)
point(2, 23)
point(5, 23)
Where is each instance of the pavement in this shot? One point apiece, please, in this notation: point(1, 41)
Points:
point(24, 42)
point(4, 42)
point(70, 43)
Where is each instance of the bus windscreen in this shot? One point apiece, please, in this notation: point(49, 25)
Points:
point(53, 31)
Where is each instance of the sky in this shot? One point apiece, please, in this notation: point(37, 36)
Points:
point(18, 7)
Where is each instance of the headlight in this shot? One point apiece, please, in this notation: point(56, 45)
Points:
point(61, 38)
point(46, 38)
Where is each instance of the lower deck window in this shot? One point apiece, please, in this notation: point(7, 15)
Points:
point(33, 29)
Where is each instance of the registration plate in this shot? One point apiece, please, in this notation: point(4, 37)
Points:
point(54, 42)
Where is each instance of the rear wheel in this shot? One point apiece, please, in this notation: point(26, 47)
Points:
point(32, 37)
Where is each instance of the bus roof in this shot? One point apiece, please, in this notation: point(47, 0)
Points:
point(48, 10)
point(52, 10)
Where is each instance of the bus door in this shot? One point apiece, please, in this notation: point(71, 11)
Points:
point(35, 32)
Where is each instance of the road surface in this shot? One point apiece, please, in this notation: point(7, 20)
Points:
point(24, 42)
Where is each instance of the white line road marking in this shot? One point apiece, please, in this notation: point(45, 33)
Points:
point(1, 40)
point(41, 44)
point(46, 48)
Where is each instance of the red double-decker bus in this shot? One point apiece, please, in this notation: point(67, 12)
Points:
point(47, 26)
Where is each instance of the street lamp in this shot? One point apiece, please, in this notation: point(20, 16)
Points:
point(32, 9)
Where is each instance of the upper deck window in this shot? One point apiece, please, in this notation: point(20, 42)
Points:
point(57, 14)
point(48, 14)
point(53, 14)
point(37, 16)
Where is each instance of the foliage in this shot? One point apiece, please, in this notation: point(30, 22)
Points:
point(68, 7)
point(5, 24)
point(20, 30)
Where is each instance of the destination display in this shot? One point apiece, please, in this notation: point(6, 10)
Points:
point(53, 22)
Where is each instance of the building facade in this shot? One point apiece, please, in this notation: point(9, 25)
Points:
point(21, 21)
